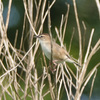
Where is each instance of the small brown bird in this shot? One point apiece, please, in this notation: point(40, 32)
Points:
point(59, 54)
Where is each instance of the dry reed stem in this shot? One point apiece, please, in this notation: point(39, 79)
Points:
point(95, 74)
point(30, 63)
point(8, 14)
point(45, 15)
point(79, 32)
point(66, 21)
point(27, 14)
point(98, 6)
point(71, 40)
point(84, 68)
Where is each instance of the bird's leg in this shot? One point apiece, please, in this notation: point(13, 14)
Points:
point(53, 66)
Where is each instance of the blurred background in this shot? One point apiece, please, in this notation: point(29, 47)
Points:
point(87, 11)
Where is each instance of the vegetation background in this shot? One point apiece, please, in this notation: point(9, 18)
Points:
point(18, 34)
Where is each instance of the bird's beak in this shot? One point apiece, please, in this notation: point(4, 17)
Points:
point(36, 36)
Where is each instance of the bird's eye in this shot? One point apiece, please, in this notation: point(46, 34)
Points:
point(40, 36)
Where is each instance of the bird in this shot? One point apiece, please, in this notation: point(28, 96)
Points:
point(49, 47)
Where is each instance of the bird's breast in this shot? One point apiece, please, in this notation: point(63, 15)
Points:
point(47, 50)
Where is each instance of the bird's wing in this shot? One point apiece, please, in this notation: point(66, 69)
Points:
point(60, 53)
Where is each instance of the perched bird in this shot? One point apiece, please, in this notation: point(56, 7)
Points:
point(59, 54)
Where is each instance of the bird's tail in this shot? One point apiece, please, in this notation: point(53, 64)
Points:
point(72, 60)
point(77, 64)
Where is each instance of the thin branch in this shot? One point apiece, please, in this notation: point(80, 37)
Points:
point(18, 63)
point(95, 74)
point(45, 15)
point(98, 6)
point(8, 14)
point(79, 32)
point(89, 45)
point(66, 20)
point(26, 11)
point(88, 78)
point(71, 40)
